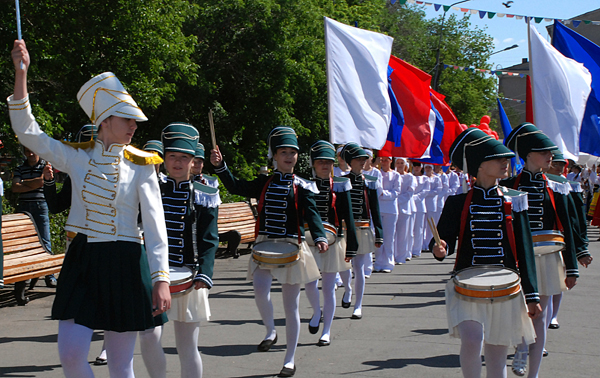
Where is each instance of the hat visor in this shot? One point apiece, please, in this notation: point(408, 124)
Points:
point(124, 110)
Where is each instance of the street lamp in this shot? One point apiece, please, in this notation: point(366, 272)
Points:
point(437, 56)
point(506, 49)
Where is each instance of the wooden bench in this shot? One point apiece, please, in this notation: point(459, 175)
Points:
point(237, 216)
point(25, 256)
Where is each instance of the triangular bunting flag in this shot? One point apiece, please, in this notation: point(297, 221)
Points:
point(446, 8)
point(482, 14)
point(437, 7)
point(538, 20)
point(492, 14)
point(576, 23)
point(587, 22)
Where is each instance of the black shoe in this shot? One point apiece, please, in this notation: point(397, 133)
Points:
point(265, 345)
point(287, 372)
point(346, 304)
point(554, 326)
point(22, 302)
point(50, 281)
point(100, 361)
point(545, 353)
point(323, 343)
point(312, 329)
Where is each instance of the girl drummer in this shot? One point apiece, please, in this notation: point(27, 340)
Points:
point(285, 202)
point(365, 207)
point(111, 181)
point(494, 218)
point(190, 210)
point(550, 209)
point(333, 203)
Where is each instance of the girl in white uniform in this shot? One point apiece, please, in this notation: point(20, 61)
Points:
point(419, 199)
point(431, 200)
point(406, 212)
point(373, 171)
point(388, 205)
point(445, 192)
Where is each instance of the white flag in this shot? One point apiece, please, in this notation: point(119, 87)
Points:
point(561, 87)
point(359, 104)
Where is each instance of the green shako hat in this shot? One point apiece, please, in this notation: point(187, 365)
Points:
point(352, 151)
point(526, 138)
point(86, 133)
point(322, 150)
point(472, 147)
point(558, 156)
point(154, 146)
point(280, 137)
point(180, 137)
point(199, 151)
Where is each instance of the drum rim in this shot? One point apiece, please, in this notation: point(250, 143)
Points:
point(491, 300)
point(276, 242)
point(183, 292)
point(562, 246)
point(276, 265)
point(547, 232)
point(490, 268)
point(183, 280)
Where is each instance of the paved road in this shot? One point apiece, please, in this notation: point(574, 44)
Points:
point(402, 334)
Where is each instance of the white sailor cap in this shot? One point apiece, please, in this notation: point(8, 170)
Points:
point(104, 96)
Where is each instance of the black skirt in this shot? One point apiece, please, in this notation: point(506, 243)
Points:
point(106, 286)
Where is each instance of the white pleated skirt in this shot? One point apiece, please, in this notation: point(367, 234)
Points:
point(551, 274)
point(366, 241)
point(303, 271)
point(333, 260)
point(192, 307)
point(504, 323)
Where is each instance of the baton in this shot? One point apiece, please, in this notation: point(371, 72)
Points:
point(19, 37)
point(212, 129)
point(434, 231)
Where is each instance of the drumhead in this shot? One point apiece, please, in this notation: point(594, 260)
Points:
point(180, 274)
point(546, 233)
point(485, 277)
point(544, 248)
point(275, 247)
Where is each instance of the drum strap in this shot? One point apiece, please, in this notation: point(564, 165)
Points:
point(463, 221)
point(259, 207)
point(335, 220)
point(366, 198)
point(297, 212)
point(509, 226)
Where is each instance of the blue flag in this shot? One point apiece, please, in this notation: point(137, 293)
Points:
point(397, 120)
point(577, 47)
point(506, 129)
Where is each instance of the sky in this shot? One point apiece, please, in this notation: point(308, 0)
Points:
point(509, 31)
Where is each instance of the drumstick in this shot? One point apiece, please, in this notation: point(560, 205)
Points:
point(434, 231)
point(212, 129)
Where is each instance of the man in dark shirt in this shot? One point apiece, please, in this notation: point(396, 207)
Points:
point(28, 182)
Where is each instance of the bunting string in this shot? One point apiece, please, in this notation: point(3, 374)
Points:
point(485, 71)
point(483, 14)
point(512, 99)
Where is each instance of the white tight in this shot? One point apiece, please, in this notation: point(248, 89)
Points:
point(312, 293)
point(186, 341)
point(153, 353)
point(471, 338)
point(555, 303)
point(74, 346)
point(346, 277)
point(262, 280)
point(358, 264)
point(537, 349)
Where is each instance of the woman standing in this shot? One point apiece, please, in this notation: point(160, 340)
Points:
point(285, 202)
point(406, 212)
point(494, 219)
point(333, 203)
point(111, 181)
point(431, 200)
point(421, 192)
point(388, 205)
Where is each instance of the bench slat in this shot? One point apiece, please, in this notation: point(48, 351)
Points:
point(33, 263)
point(30, 275)
point(19, 255)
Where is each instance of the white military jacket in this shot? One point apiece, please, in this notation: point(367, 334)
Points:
point(109, 188)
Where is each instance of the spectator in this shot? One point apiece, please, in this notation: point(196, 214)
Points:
point(28, 182)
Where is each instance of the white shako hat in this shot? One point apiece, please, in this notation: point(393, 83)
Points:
point(104, 96)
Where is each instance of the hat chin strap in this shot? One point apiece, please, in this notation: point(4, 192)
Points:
point(465, 187)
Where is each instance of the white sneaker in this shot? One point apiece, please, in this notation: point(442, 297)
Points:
point(519, 364)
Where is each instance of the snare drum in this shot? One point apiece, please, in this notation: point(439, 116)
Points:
point(271, 254)
point(547, 241)
point(362, 224)
point(330, 233)
point(487, 283)
point(182, 280)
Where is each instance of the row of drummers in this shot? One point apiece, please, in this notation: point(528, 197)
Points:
point(517, 246)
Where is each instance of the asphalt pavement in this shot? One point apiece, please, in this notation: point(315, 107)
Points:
point(403, 332)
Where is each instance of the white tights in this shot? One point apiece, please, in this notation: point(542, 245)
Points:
point(536, 349)
point(346, 277)
point(186, 341)
point(312, 293)
point(358, 264)
point(262, 280)
point(471, 338)
point(74, 346)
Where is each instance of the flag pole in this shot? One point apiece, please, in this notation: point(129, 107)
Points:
point(329, 94)
point(19, 37)
point(531, 66)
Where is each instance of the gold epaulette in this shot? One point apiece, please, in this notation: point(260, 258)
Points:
point(82, 145)
point(141, 157)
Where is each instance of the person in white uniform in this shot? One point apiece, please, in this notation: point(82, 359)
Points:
point(406, 212)
point(431, 200)
point(444, 193)
point(419, 199)
point(388, 205)
point(372, 171)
